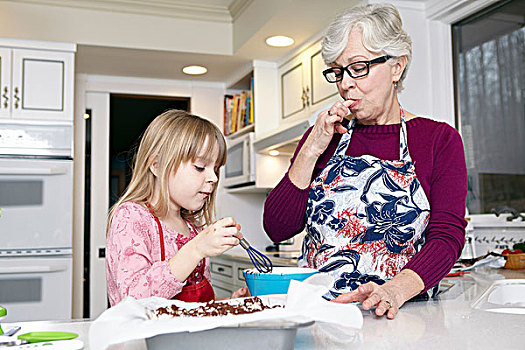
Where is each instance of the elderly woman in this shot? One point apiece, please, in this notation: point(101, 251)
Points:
point(380, 190)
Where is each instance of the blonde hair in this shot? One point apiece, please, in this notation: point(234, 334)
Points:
point(172, 138)
point(382, 32)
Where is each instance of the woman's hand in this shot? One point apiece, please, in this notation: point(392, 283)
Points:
point(241, 293)
point(388, 297)
point(217, 238)
point(327, 124)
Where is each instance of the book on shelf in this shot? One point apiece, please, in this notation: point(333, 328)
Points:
point(238, 111)
point(228, 108)
point(250, 118)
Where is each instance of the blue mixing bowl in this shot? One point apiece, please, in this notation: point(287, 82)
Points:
point(277, 281)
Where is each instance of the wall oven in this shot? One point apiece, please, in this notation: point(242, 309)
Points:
point(36, 196)
point(36, 287)
point(240, 163)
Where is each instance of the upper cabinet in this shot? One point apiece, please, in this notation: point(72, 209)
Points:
point(5, 83)
point(303, 86)
point(36, 84)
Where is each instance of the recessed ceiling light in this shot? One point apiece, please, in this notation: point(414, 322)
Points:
point(194, 70)
point(279, 41)
point(274, 152)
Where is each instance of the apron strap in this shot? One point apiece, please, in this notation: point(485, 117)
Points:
point(161, 232)
point(403, 140)
point(403, 143)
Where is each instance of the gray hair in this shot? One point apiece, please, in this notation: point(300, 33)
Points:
point(382, 31)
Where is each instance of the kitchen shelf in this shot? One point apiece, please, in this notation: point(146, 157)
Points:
point(238, 106)
point(240, 132)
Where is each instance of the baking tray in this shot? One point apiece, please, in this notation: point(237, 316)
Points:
point(257, 335)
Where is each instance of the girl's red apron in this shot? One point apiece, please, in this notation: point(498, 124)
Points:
point(198, 292)
point(365, 217)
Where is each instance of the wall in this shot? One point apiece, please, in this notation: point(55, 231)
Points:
point(246, 209)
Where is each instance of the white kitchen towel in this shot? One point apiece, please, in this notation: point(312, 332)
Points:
point(306, 300)
point(129, 321)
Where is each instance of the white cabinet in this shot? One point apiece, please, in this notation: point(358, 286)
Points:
point(5, 83)
point(226, 276)
point(303, 86)
point(36, 84)
point(293, 87)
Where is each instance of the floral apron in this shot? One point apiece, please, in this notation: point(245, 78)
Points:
point(365, 217)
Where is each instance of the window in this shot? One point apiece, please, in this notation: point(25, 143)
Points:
point(489, 59)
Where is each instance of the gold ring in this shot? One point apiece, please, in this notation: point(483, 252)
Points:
point(389, 303)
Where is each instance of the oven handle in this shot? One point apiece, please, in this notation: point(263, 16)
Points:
point(31, 269)
point(33, 171)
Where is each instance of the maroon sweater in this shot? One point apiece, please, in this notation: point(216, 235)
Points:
point(437, 150)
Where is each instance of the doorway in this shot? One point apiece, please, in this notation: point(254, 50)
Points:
point(129, 117)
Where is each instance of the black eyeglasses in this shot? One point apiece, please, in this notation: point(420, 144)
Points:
point(355, 69)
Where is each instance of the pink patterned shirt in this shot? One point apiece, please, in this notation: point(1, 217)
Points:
point(133, 264)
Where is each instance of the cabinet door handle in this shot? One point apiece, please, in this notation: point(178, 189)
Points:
point(303, 98)
point(4, 95)
point(17, 99)
point(220, 269)
point(307, 95)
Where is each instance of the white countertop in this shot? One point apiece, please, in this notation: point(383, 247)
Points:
point(447, 322)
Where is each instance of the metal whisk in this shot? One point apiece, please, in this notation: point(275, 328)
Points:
point(262, 263)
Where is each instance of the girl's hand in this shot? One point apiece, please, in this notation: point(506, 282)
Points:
point(217, 238)
point(327, 124)
point(388, 297)
point(241, 293)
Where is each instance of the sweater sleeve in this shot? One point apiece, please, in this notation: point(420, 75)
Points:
point(285, 206)
point(284, 210)
point(445, 233)
point(131, 270)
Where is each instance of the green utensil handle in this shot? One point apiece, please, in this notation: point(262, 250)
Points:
point(3, 312)
point(35, 337)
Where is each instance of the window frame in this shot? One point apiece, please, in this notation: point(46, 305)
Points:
point(453, 17)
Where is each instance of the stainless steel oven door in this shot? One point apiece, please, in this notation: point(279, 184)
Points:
point(36, 288)
point(35, 203)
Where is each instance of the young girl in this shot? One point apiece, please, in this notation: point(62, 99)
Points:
point(156, 243)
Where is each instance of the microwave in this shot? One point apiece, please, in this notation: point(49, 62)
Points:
point(239, 169)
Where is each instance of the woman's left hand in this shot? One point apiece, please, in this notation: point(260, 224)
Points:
point(241, 293)
point(388, 297)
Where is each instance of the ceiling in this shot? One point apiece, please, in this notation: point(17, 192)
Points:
point(250, 22)
point(299, 22)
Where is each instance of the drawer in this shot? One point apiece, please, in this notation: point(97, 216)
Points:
point(239, 278)
point(222, 290)
point(222, 272)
